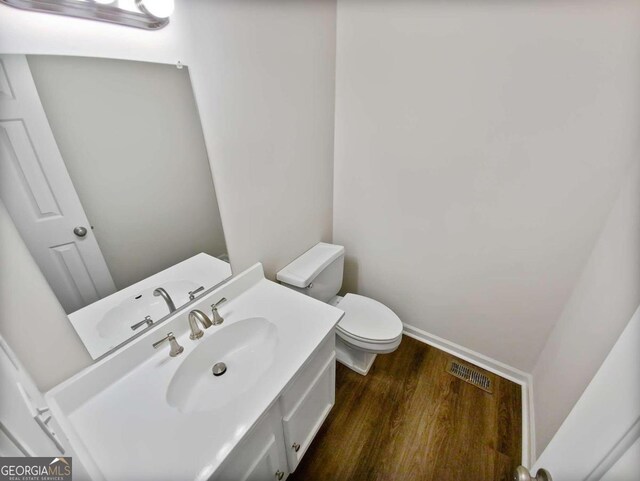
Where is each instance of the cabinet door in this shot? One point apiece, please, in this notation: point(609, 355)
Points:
point(266, 466)
point(259, 457)
point(303, 421)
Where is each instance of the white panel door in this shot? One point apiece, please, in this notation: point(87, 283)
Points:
point(600, 432)
point(37, 190)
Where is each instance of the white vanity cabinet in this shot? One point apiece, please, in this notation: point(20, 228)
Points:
point(277, 443)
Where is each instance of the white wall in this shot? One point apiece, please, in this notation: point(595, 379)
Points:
point(479, 148)
point(263, 79)
point(265, 75)
point(130, 136)
point(32, 321)
point(602, 302)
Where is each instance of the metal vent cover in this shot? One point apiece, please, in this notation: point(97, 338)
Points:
point(471, 375)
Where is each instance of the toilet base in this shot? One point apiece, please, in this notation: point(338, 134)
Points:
point(354, 359)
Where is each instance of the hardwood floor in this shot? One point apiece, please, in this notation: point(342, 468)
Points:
point(408, 419)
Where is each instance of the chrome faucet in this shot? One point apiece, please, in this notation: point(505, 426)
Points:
point(147, 320)
point(160, 291)
point(175, 347)
point(195, 316)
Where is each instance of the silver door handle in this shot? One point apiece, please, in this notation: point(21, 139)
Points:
point(80, 231)
point(523, 474)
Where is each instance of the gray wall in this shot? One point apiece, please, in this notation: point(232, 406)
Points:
point(131, 138)
point(601, 305)
point(479, 149)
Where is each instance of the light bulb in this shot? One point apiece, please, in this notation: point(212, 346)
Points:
point(157, 8)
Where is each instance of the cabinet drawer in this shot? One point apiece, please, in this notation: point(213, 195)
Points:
point(301, 424)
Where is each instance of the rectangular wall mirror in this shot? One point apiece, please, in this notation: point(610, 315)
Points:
point(104, 172)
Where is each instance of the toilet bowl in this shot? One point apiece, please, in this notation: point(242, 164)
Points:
point(368, 327)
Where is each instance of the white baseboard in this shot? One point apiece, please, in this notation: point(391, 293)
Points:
point(522, 378)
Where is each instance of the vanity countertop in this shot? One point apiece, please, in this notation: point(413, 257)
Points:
point(117, 410)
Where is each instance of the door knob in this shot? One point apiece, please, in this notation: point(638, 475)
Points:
point(296, 447)
point(80, 231)
point(279, 474)
point(523, 474)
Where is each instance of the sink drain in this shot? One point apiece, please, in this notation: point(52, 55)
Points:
point(219, 369)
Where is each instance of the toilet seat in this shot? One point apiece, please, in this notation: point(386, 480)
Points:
point(368, 324)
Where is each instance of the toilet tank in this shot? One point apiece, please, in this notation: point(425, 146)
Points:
point(317, 272)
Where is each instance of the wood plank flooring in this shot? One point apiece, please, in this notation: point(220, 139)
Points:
point(408, 419)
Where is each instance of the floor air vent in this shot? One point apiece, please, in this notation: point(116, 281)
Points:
point(470, 375)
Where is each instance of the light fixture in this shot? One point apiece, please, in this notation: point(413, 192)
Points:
point(159, 9)
point(146, 14)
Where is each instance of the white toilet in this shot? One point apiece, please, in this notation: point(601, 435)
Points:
point(368, 327)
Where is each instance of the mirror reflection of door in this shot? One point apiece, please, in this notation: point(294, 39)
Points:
point(104, 172)
point(38, 192)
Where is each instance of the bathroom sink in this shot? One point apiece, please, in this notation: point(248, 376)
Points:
point(118, 320)
point(179, 420)
point(247, 348)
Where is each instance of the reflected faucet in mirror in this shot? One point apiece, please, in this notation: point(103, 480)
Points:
point(192, 294)
point(160, 291)
point(147, 320)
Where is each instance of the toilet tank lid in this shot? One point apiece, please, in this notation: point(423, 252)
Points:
point(302, 271)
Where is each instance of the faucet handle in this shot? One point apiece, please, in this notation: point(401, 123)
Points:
point(217, 318)
point(175, 347)
point(147, 320)
point(192, 294)
point(215, 306)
